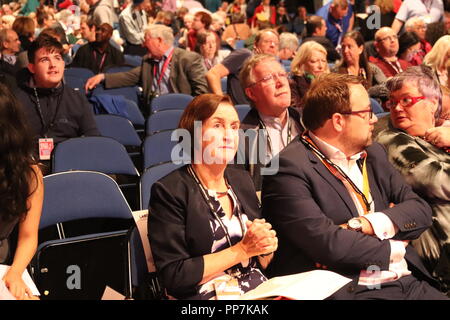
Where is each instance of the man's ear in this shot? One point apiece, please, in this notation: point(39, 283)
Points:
point(249, 93)
point(338, 122)
point(31, 67)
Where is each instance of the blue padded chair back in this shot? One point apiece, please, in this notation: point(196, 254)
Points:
point(75, 82)
point(118, 128)
point(376, 106)
point(130, 93)
point(224, 84)
point(170, 101)
point(82, 73)
point(134, 61)
point(150, 176)
point(100, 154)
point(242, 110)
point(158, 147)
point(79, 195)
point(163, 120)
point(134, 114)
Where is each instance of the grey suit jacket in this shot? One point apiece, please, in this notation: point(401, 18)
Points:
point(187, 75)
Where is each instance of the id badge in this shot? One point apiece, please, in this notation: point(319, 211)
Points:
point(227, 289)
point(45, 148)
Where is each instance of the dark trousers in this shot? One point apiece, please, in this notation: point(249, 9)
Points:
point(134, 50)
point(406, 288)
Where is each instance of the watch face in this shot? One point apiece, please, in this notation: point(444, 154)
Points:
point(355, 223)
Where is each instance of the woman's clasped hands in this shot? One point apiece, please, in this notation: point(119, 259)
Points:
point(259, 239)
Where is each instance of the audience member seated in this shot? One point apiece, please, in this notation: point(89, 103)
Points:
point(288, 46)
point(264, 12)
point(337, 203)
point(409, 47)
point(266, 41)
point(300, 20)
point(210, 213)
point(338, 15)
point(418, 25)
point(418, 150)
point(9, 46)
point(98, 55)
point(437, 59)
point(355, 60)
point(386, 45)
point(164, 70)
point(266, 85)
point(54, 111)
point(316, 28)
point(188, 20)
point(201, 23)
point(237, 30)
point(132, 23)
point(25, 29)
point(102, 11)
point(87, 30)
point(309, 62)
point(22, 194)
point(431, 10)
point(208, 44)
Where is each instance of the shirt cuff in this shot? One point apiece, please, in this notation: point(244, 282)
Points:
point(382, 226)
point(398, 251)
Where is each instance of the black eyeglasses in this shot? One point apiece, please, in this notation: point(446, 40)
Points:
point(370, 111)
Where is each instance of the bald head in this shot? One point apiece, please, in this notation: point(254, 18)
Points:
point(386, 42)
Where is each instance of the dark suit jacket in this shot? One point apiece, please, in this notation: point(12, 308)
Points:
point(251, 121)
point(179, 226)
point(187, 75)
point(305, 203)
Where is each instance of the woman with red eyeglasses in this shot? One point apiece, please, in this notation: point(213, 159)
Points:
point(417, 150)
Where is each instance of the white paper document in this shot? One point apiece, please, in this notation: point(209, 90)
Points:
point(140, 217)
point(312, 285)
point(4, 292)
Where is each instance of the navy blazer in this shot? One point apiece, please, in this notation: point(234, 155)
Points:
point(179, 226)
point(306, 203)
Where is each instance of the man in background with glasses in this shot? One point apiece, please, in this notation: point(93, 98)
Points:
point(266, 41)
point(266, 85)
point(338, 204)
point(419, 151)
point(386, 45)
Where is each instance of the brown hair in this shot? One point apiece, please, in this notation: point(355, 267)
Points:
point(205, 18)
point(201, 108)
point(328, 94)
point(24, 26)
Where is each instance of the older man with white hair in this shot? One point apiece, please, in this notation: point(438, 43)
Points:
point(165, 69)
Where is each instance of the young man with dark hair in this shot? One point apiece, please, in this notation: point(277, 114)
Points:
point(54, 111)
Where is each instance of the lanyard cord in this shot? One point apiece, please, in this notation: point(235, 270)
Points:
point(46, 127)
point(211, 206)
point(309, 145)
point(263, 125)
point(163, 70)
point(102, 60)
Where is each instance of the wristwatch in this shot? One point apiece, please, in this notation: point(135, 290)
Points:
point(355, 224)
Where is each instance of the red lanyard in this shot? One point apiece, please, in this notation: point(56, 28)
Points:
point(101, 62)
point(165, 66)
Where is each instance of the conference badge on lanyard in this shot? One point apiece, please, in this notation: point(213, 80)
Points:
point(45, 148)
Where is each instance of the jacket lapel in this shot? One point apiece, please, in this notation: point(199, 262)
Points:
point(173, 74)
